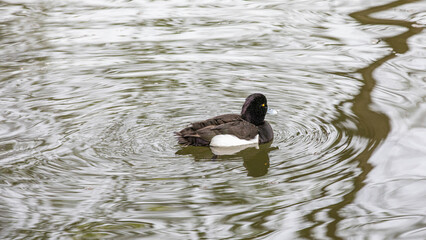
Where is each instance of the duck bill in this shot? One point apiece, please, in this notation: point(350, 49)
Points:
point(271, 111)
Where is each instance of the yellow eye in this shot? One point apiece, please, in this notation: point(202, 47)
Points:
point(263, 105)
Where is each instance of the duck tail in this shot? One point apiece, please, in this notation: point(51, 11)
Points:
point(190, 140)
point(181, 139)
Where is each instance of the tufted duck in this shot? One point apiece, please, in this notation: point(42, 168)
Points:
point(232, 129)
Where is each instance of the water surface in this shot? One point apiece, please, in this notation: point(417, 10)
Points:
point(92, 91)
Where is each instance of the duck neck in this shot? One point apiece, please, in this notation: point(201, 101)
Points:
point(253, 118)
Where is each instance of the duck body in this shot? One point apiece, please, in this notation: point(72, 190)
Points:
point(228, 130)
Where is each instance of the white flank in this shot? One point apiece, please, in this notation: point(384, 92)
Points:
point(227, 140)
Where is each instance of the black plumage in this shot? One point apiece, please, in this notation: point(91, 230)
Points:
point(246, 126)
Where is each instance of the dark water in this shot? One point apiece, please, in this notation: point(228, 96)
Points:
point(92, 91)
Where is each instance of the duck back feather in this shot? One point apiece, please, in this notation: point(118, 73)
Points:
point(201, 133)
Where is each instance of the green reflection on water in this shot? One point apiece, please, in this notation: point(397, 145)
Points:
point(372, 125)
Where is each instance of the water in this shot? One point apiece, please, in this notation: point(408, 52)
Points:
point(92, 91)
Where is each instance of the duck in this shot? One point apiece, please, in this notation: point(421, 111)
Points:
point(230, 130)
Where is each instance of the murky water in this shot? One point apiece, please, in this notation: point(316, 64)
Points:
point(92, 91)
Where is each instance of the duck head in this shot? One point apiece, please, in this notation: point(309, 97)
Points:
point(255, 109)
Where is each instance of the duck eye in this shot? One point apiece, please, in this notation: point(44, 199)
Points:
point(263, 105)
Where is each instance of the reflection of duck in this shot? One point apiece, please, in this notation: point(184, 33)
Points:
point(256, 158)
point(232, 129)
point(220, 151)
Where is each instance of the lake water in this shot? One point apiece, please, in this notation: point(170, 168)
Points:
point(92, 91)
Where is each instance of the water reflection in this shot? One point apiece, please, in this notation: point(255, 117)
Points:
point(371, 124)
point(255, 158)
